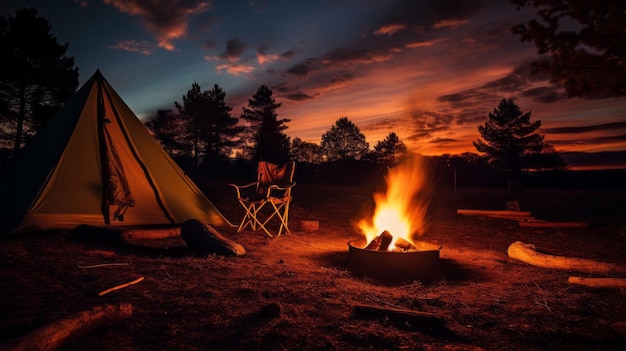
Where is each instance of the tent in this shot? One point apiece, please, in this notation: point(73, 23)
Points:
point(95, 163)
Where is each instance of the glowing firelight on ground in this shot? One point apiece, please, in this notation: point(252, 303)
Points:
point(402, 209)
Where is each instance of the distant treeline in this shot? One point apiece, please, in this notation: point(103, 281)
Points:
point(468, 175)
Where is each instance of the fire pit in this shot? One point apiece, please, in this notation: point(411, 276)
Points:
point(421, 263)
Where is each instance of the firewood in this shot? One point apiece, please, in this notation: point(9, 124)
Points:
point(609, 283)
point(57, 334)
point(121, 286)
point(416, 319)
point(502, 213)
point(404, 245)
point(204, 240)
point(375, 243)
point(385, 240)
point(527, 253)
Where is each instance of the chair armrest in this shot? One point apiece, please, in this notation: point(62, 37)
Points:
point(282, 187)
point(239, 188)
point(285, 188)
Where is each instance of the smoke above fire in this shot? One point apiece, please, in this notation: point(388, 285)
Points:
point(401, 209)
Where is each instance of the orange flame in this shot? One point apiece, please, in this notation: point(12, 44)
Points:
point(402, 209)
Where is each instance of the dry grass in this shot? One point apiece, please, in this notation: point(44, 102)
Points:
point(486, 300)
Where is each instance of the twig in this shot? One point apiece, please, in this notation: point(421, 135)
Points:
point(104, 265)
point(121, 286)
point(387, 303)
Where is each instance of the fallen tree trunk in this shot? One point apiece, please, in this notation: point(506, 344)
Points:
point(609, 283)
point(528, 253)
point(56, 334)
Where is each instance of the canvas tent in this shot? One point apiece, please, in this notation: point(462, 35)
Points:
point(95, 163)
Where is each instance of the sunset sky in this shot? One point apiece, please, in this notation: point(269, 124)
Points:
point(430, 71)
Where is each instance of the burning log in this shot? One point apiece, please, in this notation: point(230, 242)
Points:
point(55, 335)
point(528, 253)
point(403, 245)
point(381, 242)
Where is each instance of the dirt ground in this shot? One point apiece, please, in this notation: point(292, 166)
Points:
point(299, 291)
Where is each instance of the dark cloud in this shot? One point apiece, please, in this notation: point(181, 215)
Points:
point(234, 49)
point(443, 141)
point(585, 129)
point(346, 55)
point(298, 96)
point(592, 141)
point(208, 44)
point(167, 20)
point(299, 70)
point(544, 94)
point(287, 55)
point(424, 123)
point(303, 69)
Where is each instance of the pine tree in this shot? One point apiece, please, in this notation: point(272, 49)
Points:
point(390, 149)
point(266, 139)
point(509, 139)
point(344, 141)
point(36, 77)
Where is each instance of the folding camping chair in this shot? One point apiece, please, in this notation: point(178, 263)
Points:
point(270, 193)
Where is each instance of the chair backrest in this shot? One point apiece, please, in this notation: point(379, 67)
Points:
point(272, 174)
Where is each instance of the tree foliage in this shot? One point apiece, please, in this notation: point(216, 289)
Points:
point(584, 43)
point(265, 135)
point(193, 111)
point(391, 149)
point(509, 139)
point(223, 129)
point(167, 128)
point(209, 128)
point(303, 151)
point(344, 141)
point(36, 77)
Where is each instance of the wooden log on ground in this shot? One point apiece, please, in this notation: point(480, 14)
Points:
point(608, 283)
point(501, 213)
point(416, 319)
point(57, 334)
point(528, 253)
point(205, 240)
point(150, 233)
point(552, 224)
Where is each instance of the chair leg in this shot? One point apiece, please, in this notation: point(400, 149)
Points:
point(284, 217)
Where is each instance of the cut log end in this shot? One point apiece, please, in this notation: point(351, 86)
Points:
point(205, 240)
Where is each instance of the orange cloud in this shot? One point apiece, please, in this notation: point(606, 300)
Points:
point(234, 69)
point(389, 29)
point(450, 23)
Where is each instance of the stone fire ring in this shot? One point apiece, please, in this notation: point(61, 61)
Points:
point(423, 264)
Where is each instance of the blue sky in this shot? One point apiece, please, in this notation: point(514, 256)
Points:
point(430, 71)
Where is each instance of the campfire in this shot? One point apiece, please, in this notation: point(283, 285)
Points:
point(388, 249)
point(400, 213)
